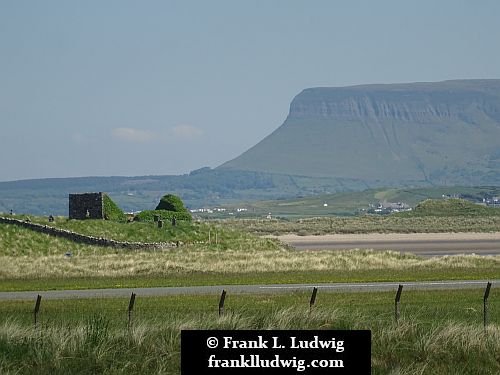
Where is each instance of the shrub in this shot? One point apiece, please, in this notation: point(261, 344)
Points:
point(170, 202)
point(148, 215)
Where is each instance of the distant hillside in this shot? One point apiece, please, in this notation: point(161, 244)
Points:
point(432, 201)
point(199, 188)
point(445, 133)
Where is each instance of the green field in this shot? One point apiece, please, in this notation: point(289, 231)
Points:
point(439, 332)
point(136, 231)
point(36, 261)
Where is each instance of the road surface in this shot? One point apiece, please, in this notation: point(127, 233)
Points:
point(424, 244)
point(253, 289)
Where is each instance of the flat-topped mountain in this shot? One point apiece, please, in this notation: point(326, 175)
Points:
point(443, 133)
point(333, 140)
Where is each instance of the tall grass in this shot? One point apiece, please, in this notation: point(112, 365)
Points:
point(153, 347)
point(228, 261)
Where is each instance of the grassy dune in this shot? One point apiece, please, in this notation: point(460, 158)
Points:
point(19, 241)
point(139, 231)
point(33, 261)
point(367, 224)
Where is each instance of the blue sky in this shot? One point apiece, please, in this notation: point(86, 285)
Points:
point(100, 88)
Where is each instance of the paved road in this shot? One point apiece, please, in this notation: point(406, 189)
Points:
point(253, 289)
point(445, 244)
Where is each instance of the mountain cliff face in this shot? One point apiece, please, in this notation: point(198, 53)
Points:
point(444, 133)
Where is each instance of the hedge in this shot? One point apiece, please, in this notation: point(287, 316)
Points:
point(148, 215)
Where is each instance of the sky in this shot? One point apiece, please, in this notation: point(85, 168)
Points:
point(132, 88)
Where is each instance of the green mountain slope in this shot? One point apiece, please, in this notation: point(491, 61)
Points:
point(445, 133)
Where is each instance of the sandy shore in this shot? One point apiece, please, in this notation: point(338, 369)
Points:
point(375, 237)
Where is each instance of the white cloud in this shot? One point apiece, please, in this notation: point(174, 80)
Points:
point(133, 135)
point(186, 132)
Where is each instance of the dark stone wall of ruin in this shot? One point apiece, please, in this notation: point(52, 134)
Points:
point(79, 204)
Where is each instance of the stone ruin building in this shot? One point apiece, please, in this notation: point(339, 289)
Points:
point(86, 206)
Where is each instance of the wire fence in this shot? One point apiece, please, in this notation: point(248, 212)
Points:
point(150, 309)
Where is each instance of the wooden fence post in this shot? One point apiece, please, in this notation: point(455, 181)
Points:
point(221, 302)
point(396, 302)
point(37, 308)
point(313, 299)
point(485, 304)
point(130, 309)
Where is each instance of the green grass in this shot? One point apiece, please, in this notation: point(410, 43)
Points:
point(464, 306)
point(201, 278)
point(186, 232)
point(439, 332)
point(35, 261)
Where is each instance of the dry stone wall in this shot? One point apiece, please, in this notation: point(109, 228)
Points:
point(89, 240)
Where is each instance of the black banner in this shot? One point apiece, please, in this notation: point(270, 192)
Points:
point(275, 352)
